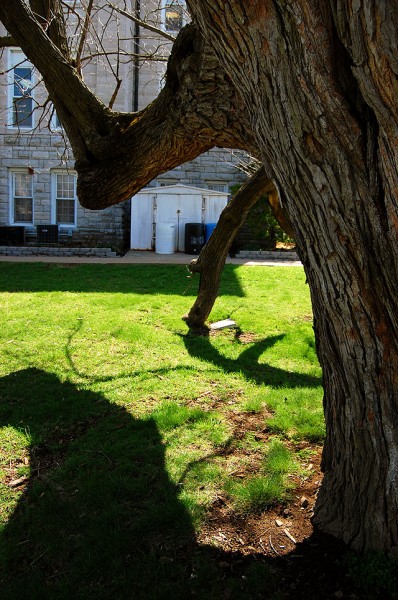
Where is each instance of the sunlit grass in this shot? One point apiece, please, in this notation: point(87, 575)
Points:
point(126, 417)
point(297, 414)
point(170, 415)
point(270, 486)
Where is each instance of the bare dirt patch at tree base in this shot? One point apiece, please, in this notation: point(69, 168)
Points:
point(302, 563)
point(295, 561)
point(273, 532)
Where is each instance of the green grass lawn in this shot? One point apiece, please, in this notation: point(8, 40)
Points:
point(118, 426)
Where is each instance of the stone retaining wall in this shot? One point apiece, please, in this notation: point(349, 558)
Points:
point(266, 255)
point(51, 251)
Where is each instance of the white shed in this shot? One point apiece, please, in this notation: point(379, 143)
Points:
point(176, 204)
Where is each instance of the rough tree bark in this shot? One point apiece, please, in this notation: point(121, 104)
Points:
point(310, 87)
point(318, 79)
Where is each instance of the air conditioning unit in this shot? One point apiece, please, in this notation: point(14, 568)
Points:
point(47, 234)
point(12, 236)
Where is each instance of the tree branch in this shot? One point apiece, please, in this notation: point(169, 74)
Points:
point(211, 260)
point(197, 109)
point(143, 24)
point(152, 57)
point(83, 36)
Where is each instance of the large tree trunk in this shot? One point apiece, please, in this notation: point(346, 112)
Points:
point(310, 87)
point(323, 103)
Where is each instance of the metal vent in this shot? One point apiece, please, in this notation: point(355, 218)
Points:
point(47, 234)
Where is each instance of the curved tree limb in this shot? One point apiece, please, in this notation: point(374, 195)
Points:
point(211, 260)
point(198, 109)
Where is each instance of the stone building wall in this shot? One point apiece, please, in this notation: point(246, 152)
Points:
point(42, 154)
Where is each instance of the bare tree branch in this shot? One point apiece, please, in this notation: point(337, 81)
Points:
point(120, 53)
point(115, 93)
point(83, 35)
point(143, 24)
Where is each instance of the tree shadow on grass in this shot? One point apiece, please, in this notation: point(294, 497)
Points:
point(248, 364)
point(111, 278)
point(99, 515)
point(100, 518)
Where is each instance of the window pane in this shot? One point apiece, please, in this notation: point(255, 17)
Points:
point(23, 212)
point(65, 199)
point(22, 81)
point(22, 102)
point(22, 197)
point(22, 185)
point(65, 186)
point(22, 112)
point(65, 211)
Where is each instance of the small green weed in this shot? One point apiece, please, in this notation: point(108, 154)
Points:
point(279, 460)
point(257, 493)
point(268, 488)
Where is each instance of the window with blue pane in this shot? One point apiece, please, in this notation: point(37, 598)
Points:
point(22, 115)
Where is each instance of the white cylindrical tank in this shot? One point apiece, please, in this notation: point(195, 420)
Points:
point(165, 238)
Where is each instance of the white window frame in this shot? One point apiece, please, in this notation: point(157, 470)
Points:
point(164, 182)
point(212, 185)
point(54, 180)
point(169, 4)
point(12, 173)
point(16, 58)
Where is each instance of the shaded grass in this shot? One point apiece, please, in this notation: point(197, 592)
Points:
point(124, 417)
point(374, 574)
